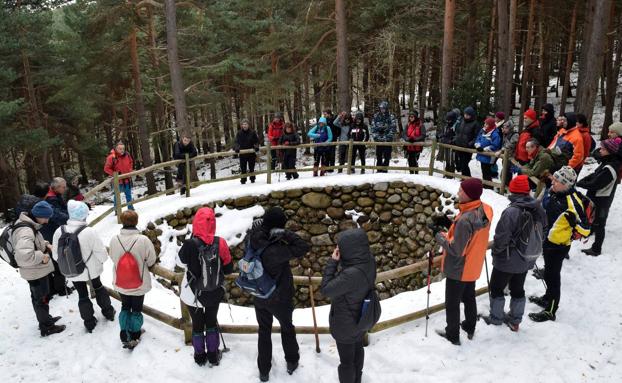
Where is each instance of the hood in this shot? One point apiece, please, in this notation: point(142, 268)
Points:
point(322, 120)
point(523, 201)
point(550, 111)
point(353, 247)
point(204, 225)
point(451, 116)
point(24, 217)
point(572, 120)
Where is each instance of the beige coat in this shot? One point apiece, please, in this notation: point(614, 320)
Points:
point(29, 251)
point(142, 250)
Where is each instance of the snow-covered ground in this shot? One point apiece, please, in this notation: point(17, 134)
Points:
point(582, 346)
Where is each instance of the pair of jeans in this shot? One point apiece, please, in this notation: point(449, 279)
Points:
point(456, 292)
point(247, 165)
point(383, 157)
point(265, 314)
point(126, 189)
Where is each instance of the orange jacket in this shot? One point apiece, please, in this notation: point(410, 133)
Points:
point(466, 242)
point(570, 141)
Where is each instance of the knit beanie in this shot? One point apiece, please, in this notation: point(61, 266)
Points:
point(470, 111)
point(78, 211)
point(500, 115)
point(520, 185)
point(274, 217)
point(490, 123)
point(322, 120)
point(612, 145)
point(566, 175)
point(472, 187)
point(616, 127)
point(42, 209)
point(530, 114)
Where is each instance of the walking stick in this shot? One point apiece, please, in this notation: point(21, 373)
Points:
point(427, 308)
point(487, 277)
point(222, 338)
point(317, 337)
point(541, 274)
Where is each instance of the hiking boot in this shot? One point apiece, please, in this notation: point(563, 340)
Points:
point(264, 377)
point(182, 191)
point(130, 345)
point(53, 329)
point(90, 324)
point(214, 358)
point(540, 301)
point(55, 319)
point(110, 315)
point(470, 334)
point(542, 316)
point(513, 326)
point(200, 359)
point(442, 333)
point(489, 321)
point(291, 367)
point(591, 252)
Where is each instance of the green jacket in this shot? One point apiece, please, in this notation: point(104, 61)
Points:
point(539, 164)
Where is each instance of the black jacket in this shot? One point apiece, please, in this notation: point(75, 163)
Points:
point(289, 139)
point(275, 259)
point(466, 133)
point(246, 139)
point(359, 132)
point(601, 184)
point(348, 287)
point(548, 126)
point(59, 217)
point(179, 153)
point(25, 204)
point(504, 255)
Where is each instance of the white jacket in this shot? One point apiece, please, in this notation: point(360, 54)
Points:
point(93, 251)
point(142, 250)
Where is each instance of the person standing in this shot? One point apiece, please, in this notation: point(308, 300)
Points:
point(281, 246)
point(183, 147)
point(510, 266)
point(564, 212)
point(275, 131)
point(548, 126)
point(290, 138)
point(466, 134)
point(488, 140)
point(247, 139)
point(464, 249)
point(531, 130)
point(359, 132)
point(347, 288)
point(383, 129)
point(32, 255)
point(510, 139)
point(331, 151)
point(344, 123)
point(121, 162)
point(132, 254)
point(320, 133)
point(569, 141)
point(203, 301)
point(446, 136)
point(601, 187)
point(415, 132)
point(94, 254)
point(586, 133)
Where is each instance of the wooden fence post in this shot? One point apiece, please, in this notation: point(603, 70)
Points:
point(268, 163)
point(504, 171)
point(350, 154)
point(117, 196)
point(432, 155)
point(187, 175)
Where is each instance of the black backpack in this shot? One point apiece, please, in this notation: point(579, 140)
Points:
point(70, 261)
point(7, 251)
point(210, 275)
point(370, 309)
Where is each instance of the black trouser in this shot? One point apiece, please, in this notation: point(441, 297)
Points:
point(203, 318)
point(499, 279)
point(39, 291)
point(132, 308)
point(351, 359)
point(330, 155)
point(456, 292)
point(343, 154)
point(462, 163)
point(247, 165)
point(85, 306)
point(487, 174)
point(598, 227)
point(448, 156)
point(360, 151)
point(383, 157)
point(413, 161)
point(321, 157)
point(58, 283)
point(275, 156)
point(289, 164)
point(553, 261)
point(283, 313)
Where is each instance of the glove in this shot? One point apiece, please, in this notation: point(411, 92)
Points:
point(442, 221)
point(237, 150)
point(571, 218)
point(477, 145)
point(479, 149)
point(276, 232)
point(441, 239)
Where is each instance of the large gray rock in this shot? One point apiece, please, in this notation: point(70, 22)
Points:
point(365, 202)
point(317, 200)
point(321, 240)
point(395, 198)
point(381, 186)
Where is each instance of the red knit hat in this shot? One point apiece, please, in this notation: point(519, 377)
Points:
point(520, 185)
point(500, 115)
point(472, 187)
point(490, 123)
point(531, 114)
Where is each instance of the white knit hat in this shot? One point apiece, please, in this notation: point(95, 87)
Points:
point(566, 175)
point(616, 127)
point(78, 211)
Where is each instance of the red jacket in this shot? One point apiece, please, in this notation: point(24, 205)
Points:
point(275, 131)
point(414, 133)
point(587, 140)
point(524, 136)
point(119, 163)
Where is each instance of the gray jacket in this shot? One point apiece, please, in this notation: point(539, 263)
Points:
point(348, 288)
point(29, 250)
point(505, 257)
point(142, 250)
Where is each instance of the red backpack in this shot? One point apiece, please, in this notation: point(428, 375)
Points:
point(128, 275)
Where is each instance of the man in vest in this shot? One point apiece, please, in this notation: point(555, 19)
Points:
point(464, 249)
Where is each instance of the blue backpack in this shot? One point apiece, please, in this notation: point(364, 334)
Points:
point(253, 278)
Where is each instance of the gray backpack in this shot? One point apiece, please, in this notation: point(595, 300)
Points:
point(528, 243)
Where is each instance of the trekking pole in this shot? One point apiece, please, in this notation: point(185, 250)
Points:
point(222, 338)
point(487, 277)
point(317, 337)
point(427, 307)
point(541, 274)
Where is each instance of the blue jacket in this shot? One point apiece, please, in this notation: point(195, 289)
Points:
point(489, 142)
point(383, 128)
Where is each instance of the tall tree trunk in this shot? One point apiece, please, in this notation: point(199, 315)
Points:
point(490, 49)
point(435, 77)
point(593, 48)
point(525, 88)
point(143, 134)
point(613, 70)
point(367, 109)
point(503, 81)
point(343, 74)
point(544, 49)
point(471, 33)
point(317, 90)
point(177, 81)
point(423, 80)
point(569, 59)
point(448, 42)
